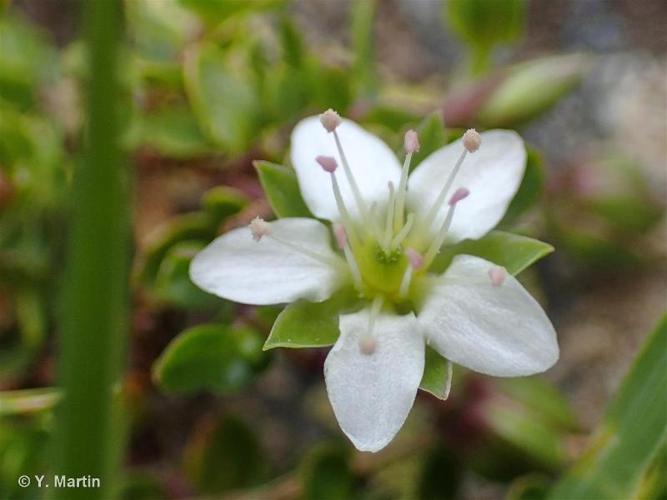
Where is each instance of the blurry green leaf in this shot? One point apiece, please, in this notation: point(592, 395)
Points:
point(512, 251)
point(159, 30)
point(516, 100)
point(224, 455)
point(432, 136)
point(486, 22)
point(222, 98)
point(529, 191)
point(282, 189)
point(540, 397)
point(393, 118)
point(634, 428)
point(26, 61)
point(437, 377)
point(531, 487)
point(216, 11)
point(211, 357)
point(221, 202)
point(188, 227)
point(27, 401)
point(292, 43)
point(309, 324)
point(326, 473)
point(329, 87)
point(654, 483)
point(441, 475)
point(363, 17)
point(173, 132)
point(24, 449)
point(173, 284)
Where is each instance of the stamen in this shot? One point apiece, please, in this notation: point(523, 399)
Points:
point(411, 144)
point(260, 228)
point(361, 205)
point(416, 262)
point(415, 258)
point(497, 274)
point(403, 233)
point(341, 240)
point(327, 163)
point(330, 120)
point(460, 194)
point(388, 229)
point(367, 342)
point(472, 140)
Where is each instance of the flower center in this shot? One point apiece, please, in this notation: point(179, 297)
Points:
point(386, 249)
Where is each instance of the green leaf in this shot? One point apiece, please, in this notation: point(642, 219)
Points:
point(363, 17)
point(512, 251)
point(28, 401)
point(222, 98)
point(432, 136)
point(216, 11)
point(282, 189)
point(224, 455)
point(222, 202)
point(515, 101)
point(173, 132)
point(529, 191)
point(173, 284)
point(326, 473)
point(188, 227)
point(437, 378)
point(211, 357)
point(633, 429)
point(292, 43)
point(530, 487)
point(310, 324)
point(484, 23)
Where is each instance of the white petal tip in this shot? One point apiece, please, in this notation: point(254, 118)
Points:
point(472, 140)
point(330, 120)
point(259, 228)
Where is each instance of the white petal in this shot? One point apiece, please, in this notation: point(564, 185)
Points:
point(372, 162)
point(238, 268)
point(493, 175)
point(497, 330)
point(372, 394)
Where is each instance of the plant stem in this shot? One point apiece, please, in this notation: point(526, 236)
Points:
point(94, 315)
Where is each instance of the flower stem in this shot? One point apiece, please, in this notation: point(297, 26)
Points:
point(94, 321)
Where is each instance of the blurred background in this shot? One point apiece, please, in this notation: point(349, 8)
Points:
point(209, 86)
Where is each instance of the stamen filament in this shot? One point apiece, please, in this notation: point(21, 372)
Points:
point(354, 267)
point(405, 282)
point(440, 238)
point(350, 178)
point(402, 192)
point(403, 233)
point(344, 214)
point(388, 230)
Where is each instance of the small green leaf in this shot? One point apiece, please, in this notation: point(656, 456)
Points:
point(224, 455)
point(326, 473)
point(222, 98)
point(28, 401)
point(515, 101)
point(309, 324)
point(216, 11)
point(512, 251)
point(363, 68)
point(292, 43)
point(282, 189)
point(632, 432)
point(223, 201)
point(211, 357)
point(173, 284)
point(174, 133)
point(437, 378)
point(529, 191)
point(432, 136)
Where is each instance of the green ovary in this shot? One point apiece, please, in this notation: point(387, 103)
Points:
point(381, 272)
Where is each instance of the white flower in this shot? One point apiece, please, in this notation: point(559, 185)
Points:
point(388, 229)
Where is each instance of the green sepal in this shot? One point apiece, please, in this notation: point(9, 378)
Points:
point(512, 251)
point(282, 189)
point(437, 378)
point(212, 357)
point(310, 324)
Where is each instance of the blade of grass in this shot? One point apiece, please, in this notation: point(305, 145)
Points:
point(632, 431)
point(93, 322)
